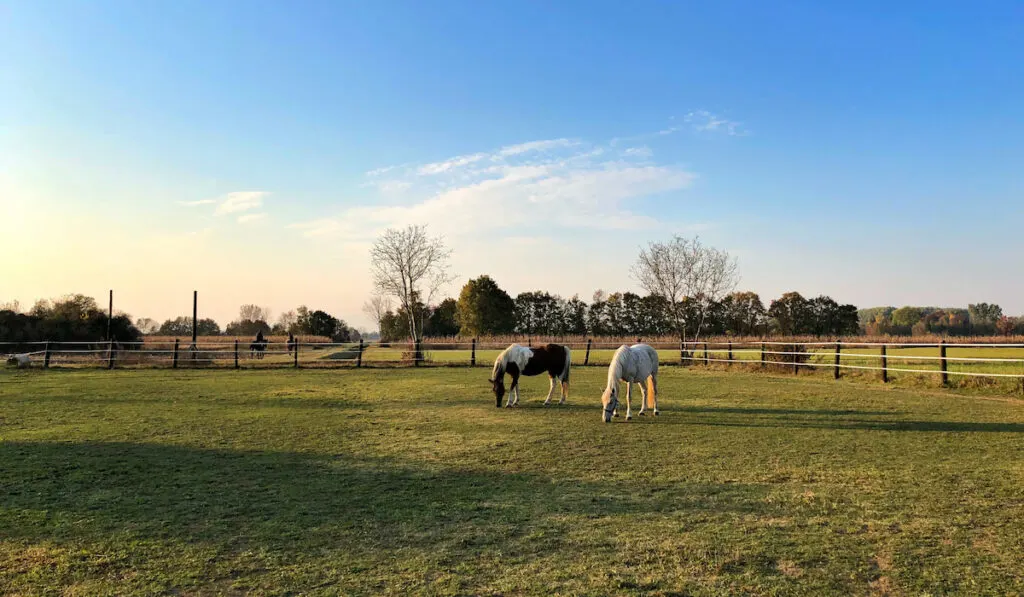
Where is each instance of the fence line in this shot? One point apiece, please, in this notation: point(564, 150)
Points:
point(474, 353)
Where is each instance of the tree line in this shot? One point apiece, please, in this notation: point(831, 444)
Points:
point(78, 317)
point(484, 309)
point(981, 319)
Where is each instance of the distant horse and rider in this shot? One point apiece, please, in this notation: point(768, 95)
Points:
point(516, 360)
point(259, 346)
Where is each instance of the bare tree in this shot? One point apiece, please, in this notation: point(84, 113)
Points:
point(253, 313)
point(408, 264)
point(376, 308)
point(689, 275)
point(147, 325)
point(286, 321)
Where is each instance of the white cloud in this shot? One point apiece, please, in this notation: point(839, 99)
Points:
point(638, 152)
point(702, 120)
point(199, 202)
point(547, 145)
point(448, 165)
point(555, 184)
point(251, 217)
point(240, 201)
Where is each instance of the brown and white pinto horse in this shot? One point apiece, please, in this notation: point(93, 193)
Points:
point(553, 359)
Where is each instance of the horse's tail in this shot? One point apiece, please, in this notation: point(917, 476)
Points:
point(650, 390)
point(565, 372)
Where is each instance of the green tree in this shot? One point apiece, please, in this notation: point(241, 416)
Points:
point(484, 308)
point(575, 316)
point(442, 320)
point(743, 313)
point(791, 314)
point(904, 318)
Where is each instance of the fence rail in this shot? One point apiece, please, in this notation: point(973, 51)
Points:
point(943, 360)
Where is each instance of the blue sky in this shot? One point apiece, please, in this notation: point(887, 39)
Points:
point(253, 150)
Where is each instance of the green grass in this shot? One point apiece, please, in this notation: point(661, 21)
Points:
point(409, 481)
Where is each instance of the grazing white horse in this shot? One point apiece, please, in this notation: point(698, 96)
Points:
point(632, 364)
point(21, 360)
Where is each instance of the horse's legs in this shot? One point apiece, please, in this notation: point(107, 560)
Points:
point(565, 391)
point(551, 391)
point(643, 399)
point(513, 390)
point(629, 394)
point(654, 388)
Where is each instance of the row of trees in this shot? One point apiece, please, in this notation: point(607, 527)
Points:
point(981, 319)
point(690, 292)
point(73, 318)
point(253, 319)
point(484, 308)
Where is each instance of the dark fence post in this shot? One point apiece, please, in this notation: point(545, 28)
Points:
point(416, 355)
point(682, 353)
point(763, 355)
point(835, 371)
point(359, 357)
point(706, 354)
point(46, 356)
point(296, 357)
point(730, 353)
point(174, 359)
point(942, 362)
point(472, 353)
point(236, 353)
point(885, 366)
point(110, 354)
point(796, 362)
point(586, 358)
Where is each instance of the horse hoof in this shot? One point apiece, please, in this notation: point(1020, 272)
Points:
point(629, 418)
point(640, 414)
point(656, 413)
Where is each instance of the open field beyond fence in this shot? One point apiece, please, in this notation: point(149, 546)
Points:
point(409, 481)
point(981, 365)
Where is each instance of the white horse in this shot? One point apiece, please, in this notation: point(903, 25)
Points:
point(632, 364)
point(21, 360)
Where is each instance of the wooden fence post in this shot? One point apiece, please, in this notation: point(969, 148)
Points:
point(764, 362)
point(416, 354)
point(942, 362)
point(296, 356)
point(472, 354)
point(705, 354)
point(174, 359)
point(885, 366)
point(110, 354)
point(835, 371)
point(586, 359)
point(46, 356)
point(796, 363)
point(359, 357)
point(682, 353)
point(730, 353)
point(236, 353)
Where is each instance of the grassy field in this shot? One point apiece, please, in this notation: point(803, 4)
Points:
point(409, 481)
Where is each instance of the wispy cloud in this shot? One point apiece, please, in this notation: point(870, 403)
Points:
point(702, 120)
point(449, 165)
point(245, 218)
point(199, 202)
point(240, 201)
point(638, 152)
point(557, 183)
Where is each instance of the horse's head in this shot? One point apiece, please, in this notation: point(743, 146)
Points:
point(498, 386)
point(609, 402)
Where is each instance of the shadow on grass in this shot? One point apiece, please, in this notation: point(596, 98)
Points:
point(292, 501)
point(785, 411)
point(873, 425)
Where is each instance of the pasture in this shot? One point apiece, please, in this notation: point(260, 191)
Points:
point(409, 481)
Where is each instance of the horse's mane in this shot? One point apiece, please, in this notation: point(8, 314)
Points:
point(499, 365)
